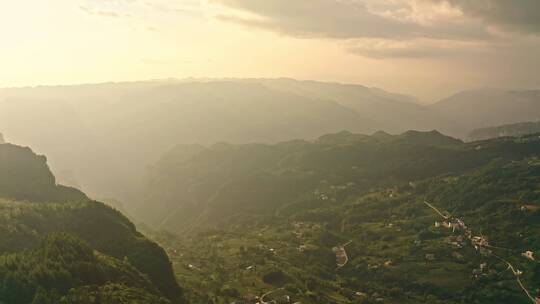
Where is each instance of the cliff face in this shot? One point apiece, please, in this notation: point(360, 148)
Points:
point(102, 246)
point(26, 176)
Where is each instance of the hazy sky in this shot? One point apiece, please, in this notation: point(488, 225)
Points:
point(427, 48)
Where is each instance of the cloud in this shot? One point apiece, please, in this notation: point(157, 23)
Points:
point(103, 13)
point(347, 19)
point(140, 8)
point(415, 49)
point(153, 61)
point(184, 7)
point(393, 28)
point(511, 15)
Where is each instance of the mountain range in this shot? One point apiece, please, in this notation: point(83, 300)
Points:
point(123, 128)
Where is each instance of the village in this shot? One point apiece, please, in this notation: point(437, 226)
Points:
point(481, 245)
point(459, 236)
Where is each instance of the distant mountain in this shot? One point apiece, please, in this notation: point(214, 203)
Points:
point(58, 246)
point(489, 107)
point(122, 128)
point(394, 113)
point(517, 129)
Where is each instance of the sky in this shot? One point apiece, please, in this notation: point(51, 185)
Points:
point(425, 48)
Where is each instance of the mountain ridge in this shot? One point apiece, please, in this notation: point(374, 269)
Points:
point(215, 176)
point(112, 118)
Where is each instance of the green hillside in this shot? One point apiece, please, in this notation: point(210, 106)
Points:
point(57, 246)
point(189, 187)
point(274, 218)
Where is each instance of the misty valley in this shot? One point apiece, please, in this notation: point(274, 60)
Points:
point(270, 152)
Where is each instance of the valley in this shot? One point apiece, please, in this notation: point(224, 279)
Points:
point(399, 247)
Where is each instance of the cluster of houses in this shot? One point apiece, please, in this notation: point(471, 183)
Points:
point(253, 299)
point(480, 243)
point(457, 241)
point(461, 239)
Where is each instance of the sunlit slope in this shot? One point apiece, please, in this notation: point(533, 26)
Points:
point(399, 250)
point(194, 186)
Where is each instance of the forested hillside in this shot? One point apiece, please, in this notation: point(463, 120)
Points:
point(58, 246)
point(414, 218)
point(192, 186)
